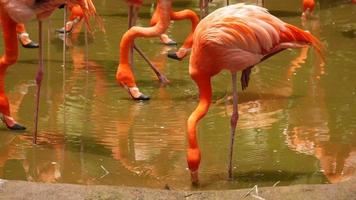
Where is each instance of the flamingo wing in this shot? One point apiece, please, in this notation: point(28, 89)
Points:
point(240, 36)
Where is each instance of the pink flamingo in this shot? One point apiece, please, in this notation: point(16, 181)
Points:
point(75, 17)
point(18, 11)
point(124, 75)
point(235, 38)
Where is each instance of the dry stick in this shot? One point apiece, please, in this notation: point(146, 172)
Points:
point(39, 77)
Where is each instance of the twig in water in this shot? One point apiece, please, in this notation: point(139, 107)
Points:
point(274, 185)
point(106, 172)
point(188, 195)
point(257, 196)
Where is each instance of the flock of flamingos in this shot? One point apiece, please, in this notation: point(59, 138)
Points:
point(235, 38)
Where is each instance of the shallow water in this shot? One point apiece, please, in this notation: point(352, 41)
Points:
point(297, 118)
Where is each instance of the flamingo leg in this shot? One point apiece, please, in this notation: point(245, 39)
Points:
point(187, 45)
point(193, 152)
point(131, 23)
point(162, 78)
point(65, 34)
point(204, 8)
point(39, 78)
point(260, 3)
point(233, 122)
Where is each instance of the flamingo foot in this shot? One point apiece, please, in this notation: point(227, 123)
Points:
point(12, 124)
point(171, 43)
point(137, 95)
point(166, 40)
point(163, 80)
point(69, 26)
point(31, 45)
point(26, 42)
point(174, 55)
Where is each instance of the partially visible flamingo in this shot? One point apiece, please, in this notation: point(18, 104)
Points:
point(235, 38)
point(75, 17)
point(18, 11)
point(308, 8)
point(124, 75)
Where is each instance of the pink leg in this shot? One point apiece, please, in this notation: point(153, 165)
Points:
point(39, 77)
point(233, 123)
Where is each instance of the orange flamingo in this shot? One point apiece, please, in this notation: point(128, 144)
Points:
point(75, 17)
point(308, 8)
point(235, 38)
point(124, 75)
point(15, 12)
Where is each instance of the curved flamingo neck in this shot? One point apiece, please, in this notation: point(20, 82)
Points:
point(164, 8)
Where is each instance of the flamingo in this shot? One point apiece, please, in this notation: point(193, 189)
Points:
point(235, 38)
point(124, 75)
point(308, 8)
point(75, 17)
point(18, 11)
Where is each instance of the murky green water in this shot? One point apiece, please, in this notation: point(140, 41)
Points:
point(297, 124)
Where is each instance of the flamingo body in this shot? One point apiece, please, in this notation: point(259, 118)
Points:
point(235, 38)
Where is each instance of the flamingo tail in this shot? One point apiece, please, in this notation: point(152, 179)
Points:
point(299, 35)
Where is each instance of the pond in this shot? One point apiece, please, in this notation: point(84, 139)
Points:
point(297, 118)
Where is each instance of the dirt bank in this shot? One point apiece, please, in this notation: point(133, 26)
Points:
point(39, 191)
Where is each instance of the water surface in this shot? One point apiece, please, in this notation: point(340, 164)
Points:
point(297, 118)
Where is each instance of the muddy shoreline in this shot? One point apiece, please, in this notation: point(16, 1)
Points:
point(40, 191)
